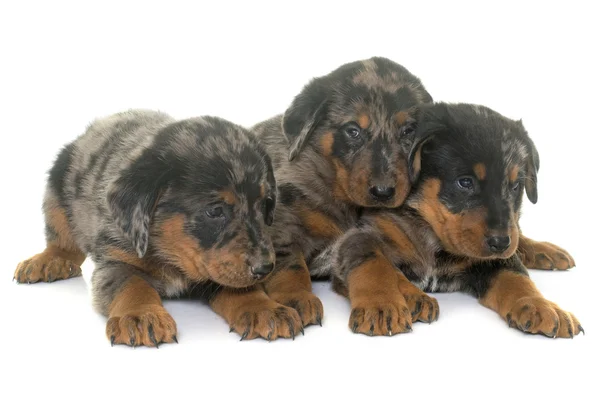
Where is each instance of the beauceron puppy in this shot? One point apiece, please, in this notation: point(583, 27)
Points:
point(164, 208)
point(457, 231)
point(341, 145)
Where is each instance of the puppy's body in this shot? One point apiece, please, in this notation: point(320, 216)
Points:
point(340, 147)
point(164, 208)
point(457, 231)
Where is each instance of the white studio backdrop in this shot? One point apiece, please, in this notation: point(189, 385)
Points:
point(64, 63)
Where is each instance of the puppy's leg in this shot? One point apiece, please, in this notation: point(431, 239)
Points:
point(291, 286)
point(135, 312)
point(384, 301)
point(543, 255)
point(62, 258)
point(505, 287)
point(252, 314)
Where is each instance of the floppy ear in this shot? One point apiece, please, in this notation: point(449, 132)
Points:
point(271, 204)
point(428, 125)
point(132, 198)
point(531, 170)
point(303, 116)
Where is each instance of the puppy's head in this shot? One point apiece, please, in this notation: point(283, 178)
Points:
point(475, 166)
point(201, 199)
point(360, 119)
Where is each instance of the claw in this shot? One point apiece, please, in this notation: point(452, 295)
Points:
point(245, 334)
point(231, 330)
point(389, 326)
point(291, 327)
point(131, 341)
point(571, 332)
point(319, 320)
point(581, 329)
point(354, 327)
point(151, 335)
point(555, 329)
point(112, 341)
point(372, 329)
point(175, 339)
point(408, 326)
point(527, 325)
point(417, 308)
point(302, 330)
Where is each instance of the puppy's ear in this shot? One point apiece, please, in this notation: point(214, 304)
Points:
point(531, 170)
point(272, 196)
point(132, 198)
point(304, 115)
point(428, 125)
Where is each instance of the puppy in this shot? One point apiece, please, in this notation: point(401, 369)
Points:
point(164, 208)
point(341, 146)
point(457, 231)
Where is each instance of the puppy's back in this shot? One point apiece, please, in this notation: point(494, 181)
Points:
point(86, 167)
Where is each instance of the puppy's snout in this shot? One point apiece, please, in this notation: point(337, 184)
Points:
point(382, 192)
point(498, 244)
point(262, 270)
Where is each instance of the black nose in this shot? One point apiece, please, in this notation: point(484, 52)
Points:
point(262, 270)
point(498, 244)
point(382, 192)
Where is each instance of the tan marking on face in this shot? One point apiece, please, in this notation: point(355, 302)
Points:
point(460, 234)
point(319, 224)
point(228, 196)
point(513, 174)
point(480, 171)
point(363, 120)
point(263, 190)
point(327, 144)
point(401, 118)
point(182, 250)
point(341, 183)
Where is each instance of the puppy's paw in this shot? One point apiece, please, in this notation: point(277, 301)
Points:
point(422, 307)
point(540, 316)
point(380, 314)
point(545, 256)
point(266, 319)
point(46, 267)
point(149, 325)
point(308, 306)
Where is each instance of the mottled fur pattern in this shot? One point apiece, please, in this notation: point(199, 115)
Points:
point(164, 208)
point(458, 230)
point(341, 146)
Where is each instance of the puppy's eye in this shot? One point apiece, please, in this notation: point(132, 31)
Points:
point(465, 182)
point(215, 212)
point(515, 186)
point(408, 130)
point(352, 130)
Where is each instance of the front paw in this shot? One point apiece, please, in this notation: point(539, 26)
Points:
point(380, 314)
point(545, 256)
point(266, 319)
point(148, 326)
point(422, 307)
point(540, 316)
point(308, 306)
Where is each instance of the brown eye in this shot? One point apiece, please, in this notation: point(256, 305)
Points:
point(352, 130)
point(465, 182)
point(408, 130)
point(215, 212)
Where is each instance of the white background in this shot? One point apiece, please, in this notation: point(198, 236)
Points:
point(63, 64)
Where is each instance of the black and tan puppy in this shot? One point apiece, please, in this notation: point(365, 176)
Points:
point(164, 207)
point(341, 146)
point(458, 230)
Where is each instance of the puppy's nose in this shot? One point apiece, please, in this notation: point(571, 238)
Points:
point(382, 193)
point(498, 244)
point(262, 270)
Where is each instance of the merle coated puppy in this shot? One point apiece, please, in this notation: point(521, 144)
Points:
point(341, 146)
point(164, 207)
point(457, 231)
